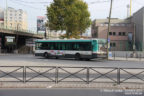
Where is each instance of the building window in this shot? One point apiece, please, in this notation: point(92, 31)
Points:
point(116, 24)
point(123, 24)
point(106, 24)
point(129, 25)
point(110, 44)
point(110, 33)
point(124, 33)
point(11, 24)
point(112, 24)
point(101, 24)
point(114, 33)
point(120, 33)
point(113, 44)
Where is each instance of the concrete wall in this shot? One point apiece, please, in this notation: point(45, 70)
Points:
point(138, 19)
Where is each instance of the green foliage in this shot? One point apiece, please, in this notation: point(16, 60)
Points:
point(71, 16)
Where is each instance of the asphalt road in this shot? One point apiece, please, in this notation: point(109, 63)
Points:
point(70, 92)
point(30, 60)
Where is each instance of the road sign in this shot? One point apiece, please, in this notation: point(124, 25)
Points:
point(108, 39)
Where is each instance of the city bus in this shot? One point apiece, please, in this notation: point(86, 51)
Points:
point(71, 48)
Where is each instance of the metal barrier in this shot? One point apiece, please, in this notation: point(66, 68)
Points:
point(127, 55)
point(12, 73)
point(71, 74)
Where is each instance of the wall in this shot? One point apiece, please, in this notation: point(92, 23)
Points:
point(138, 19)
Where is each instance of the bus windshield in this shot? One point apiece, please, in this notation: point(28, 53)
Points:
point(99, 45)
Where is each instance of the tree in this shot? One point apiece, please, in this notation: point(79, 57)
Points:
point(71, 16)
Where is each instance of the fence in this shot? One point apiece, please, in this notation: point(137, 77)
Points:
point(138, 55)
point(71, 74)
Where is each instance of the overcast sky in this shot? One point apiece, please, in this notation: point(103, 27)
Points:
point(99, 9)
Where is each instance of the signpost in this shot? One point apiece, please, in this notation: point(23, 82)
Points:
point(41, 28)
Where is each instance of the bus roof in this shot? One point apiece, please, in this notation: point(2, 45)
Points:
point(68, 40)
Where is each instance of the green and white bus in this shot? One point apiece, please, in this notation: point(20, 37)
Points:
point(71, 48)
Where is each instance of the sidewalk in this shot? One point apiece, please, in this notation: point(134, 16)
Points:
point(10, 54)
point(71, 85)
point(126, 59)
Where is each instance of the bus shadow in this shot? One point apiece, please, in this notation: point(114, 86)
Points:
point(72, 59)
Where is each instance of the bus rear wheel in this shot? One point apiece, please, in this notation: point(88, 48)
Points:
point(77, 56)
point(87, 59)
point(46, 55)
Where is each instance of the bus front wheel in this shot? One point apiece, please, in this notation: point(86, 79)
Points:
point(77, 56)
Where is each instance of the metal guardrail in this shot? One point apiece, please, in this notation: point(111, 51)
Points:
point(127, 55)
point(20, 30)
point(71, 74)
point(12, 73)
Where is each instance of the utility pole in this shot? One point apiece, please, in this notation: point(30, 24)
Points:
point(134, 47)
point(130, 7)
point(109, 23)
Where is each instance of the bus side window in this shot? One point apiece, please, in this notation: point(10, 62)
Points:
point(51, 46)
point(48, 46)
point(77, 45)
point(56, 46)
point(74, 47)
point(63, 46)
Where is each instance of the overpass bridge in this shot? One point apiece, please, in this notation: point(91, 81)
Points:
point(20, 38)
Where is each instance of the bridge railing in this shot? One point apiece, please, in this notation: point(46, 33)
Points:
point(84, 75)
point(19, 30)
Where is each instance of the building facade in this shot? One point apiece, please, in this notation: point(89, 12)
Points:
point(1, 17)
point(15, 19)
point(120, 35)
point(138, 20)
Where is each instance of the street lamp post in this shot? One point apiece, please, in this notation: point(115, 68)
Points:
point(109, 23)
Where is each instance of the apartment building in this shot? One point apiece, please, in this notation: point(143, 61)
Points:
point(120, 35)
point(1, 17)
point(138, 20)
point(15, 19)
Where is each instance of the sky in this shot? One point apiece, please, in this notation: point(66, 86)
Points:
point(99, 9)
